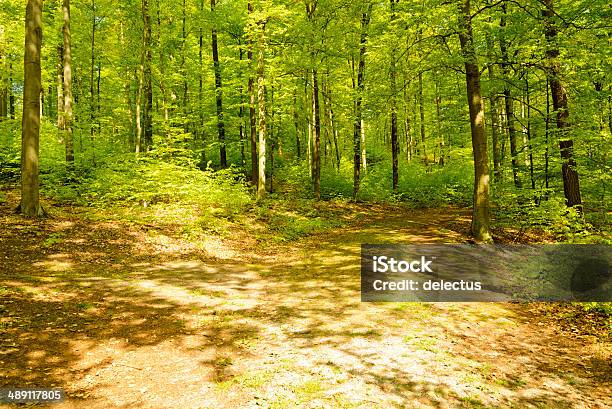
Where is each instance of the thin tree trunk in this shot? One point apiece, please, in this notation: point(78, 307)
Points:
point(296, 123)
point(480, 215)
point(201, 132)
point(60, 90)
point(252, 112)
point(316, 163)
point(30, 131)
point(162, 71)
point(241, 115)
point(138, 142)
point(528, 130)
point(394, 141)
point(11, 95)
point(67, 58)
point(422, 120)
point(571, 184)
point(508, 99)
point(359, 133)
point(218, 93)
point(92, 108)
point(261, 96)
point(147, 120)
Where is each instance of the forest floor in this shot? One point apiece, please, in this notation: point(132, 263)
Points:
point(126, 314)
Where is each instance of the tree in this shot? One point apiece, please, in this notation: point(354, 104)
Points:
point(261, 98)
point(30, 201)
point(394, 141)
point(67, 58)
point(358, 126)
point(218, 92)
point(571, 184)
point(147, 86)
point(480, 213)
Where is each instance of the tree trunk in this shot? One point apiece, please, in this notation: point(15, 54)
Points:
point(480, 214)
point(147, 120)
point(359, 131)
point(509, 102)
point(92, 108)
point(241, 114)
point(296, 123)
point(67, 57)
point(30, 133)
point(218, 93)
point(261, 96)
point(252, 113)
point(11, 95)
point(316, 162)
point(528, 132)
point(394, 141)
point(422, 120)
point(571, 184)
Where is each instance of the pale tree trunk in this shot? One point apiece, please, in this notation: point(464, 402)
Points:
point(218, 93)
point(138, 142)
point(480, 215)
point(30, 133)
point(261, 96)
point(67, 57)
point(571, 184)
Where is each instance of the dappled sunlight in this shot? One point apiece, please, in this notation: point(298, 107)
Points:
point(104, 318)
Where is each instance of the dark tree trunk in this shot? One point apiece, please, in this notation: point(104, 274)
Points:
point(394, 141)
point(365, 21)
point(422, 120)
point(296, 123)
point(30, 133)
point(480, 216)
point(316, 156)
point(147, 120)
point(571, 184)
point(218, 93)
point(509, 102)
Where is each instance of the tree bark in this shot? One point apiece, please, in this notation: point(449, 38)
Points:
point(358, 127)
point(480, 215)
point(422, 119)
point(67, 57)
point(394, 141)
point(147, 120)
point(509, 102)
point(316, 162)
point(252, 112)
point(30, 134)
point(218, 93)
point(261, 96)
point(571, 184)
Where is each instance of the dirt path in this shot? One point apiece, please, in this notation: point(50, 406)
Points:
point(129, 316)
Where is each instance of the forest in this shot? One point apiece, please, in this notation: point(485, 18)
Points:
point(185, 186)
